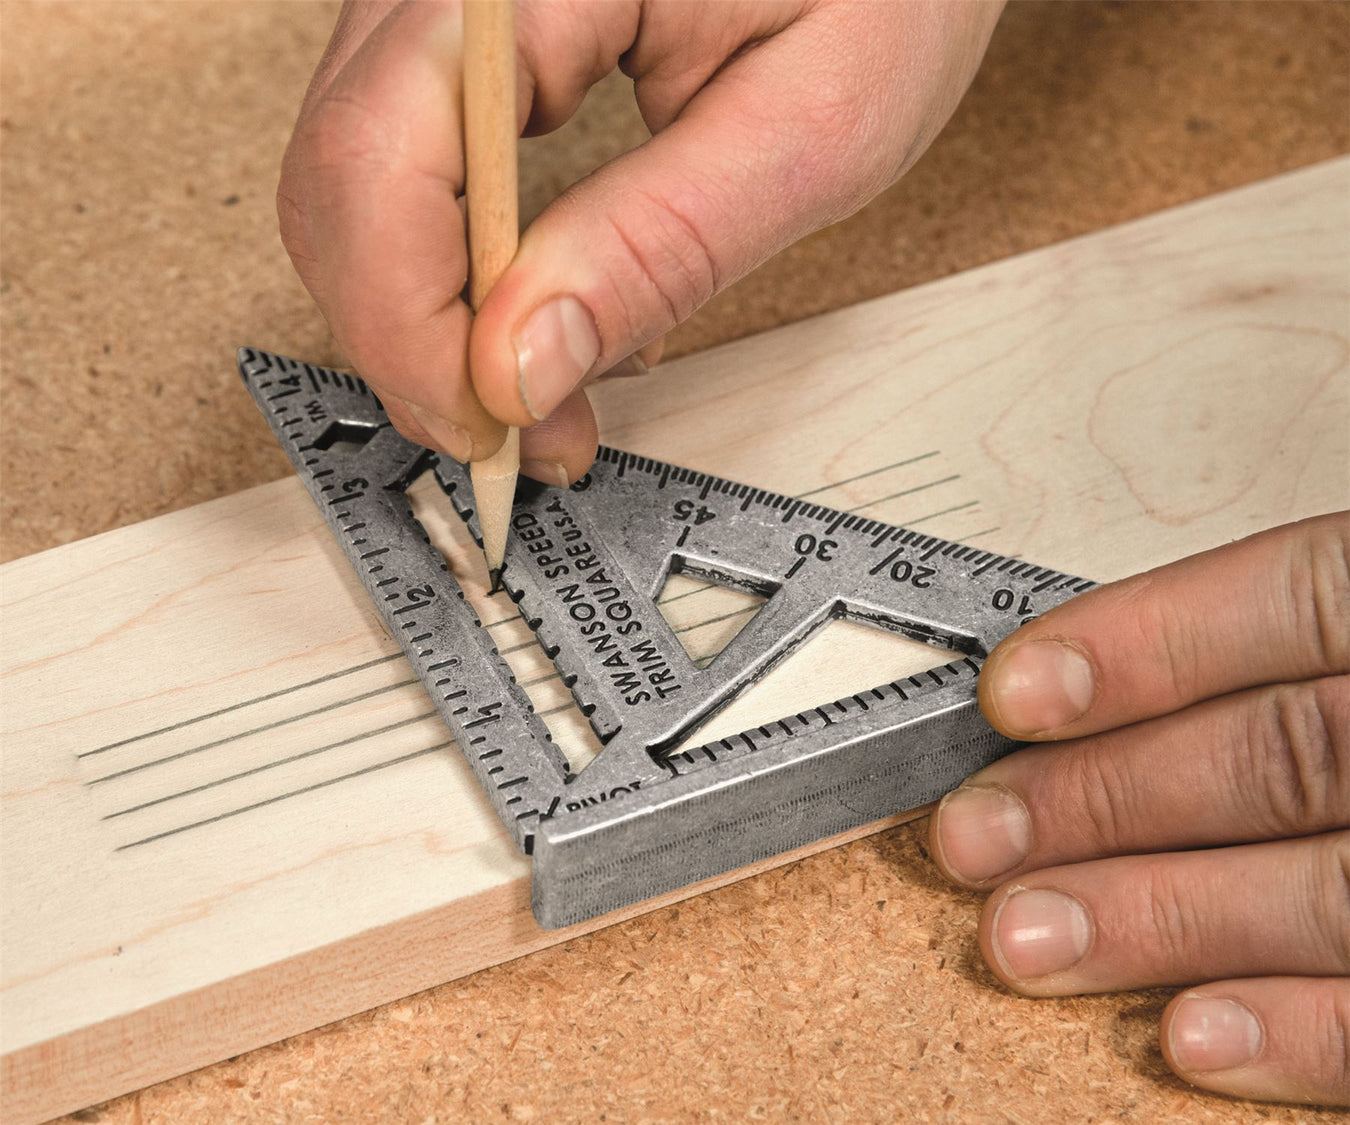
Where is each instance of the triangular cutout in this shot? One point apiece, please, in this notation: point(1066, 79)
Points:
point(580, 572)
point(705, 616)
point(840, 659)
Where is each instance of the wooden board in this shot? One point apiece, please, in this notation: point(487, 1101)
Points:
point(224, 818)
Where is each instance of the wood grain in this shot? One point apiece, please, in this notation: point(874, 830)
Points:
point(116, 407)
point(1079, 406)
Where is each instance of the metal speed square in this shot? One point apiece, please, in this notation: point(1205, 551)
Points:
point(585, 566)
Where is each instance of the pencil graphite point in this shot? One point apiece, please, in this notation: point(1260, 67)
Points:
point(494, 491)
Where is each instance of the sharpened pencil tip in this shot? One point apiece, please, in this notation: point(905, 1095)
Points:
point(496, 575)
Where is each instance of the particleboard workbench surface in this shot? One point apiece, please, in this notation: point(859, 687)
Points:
point(771, 992)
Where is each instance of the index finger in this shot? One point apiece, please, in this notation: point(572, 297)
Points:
point(1272, 608)
point(368, 203)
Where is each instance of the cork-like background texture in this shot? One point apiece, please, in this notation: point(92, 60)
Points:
point(140, 150)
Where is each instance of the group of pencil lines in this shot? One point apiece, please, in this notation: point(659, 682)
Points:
point(105, 773)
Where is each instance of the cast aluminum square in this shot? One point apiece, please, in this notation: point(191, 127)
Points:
point(585, 566)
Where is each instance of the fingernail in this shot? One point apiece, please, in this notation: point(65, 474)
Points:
point(628, 367)
point(982, 831)
point(550, 472)
point(1207, 1033)
point(445, 434)
point(1041, 686)
point(555, 347)
point(1038, 932)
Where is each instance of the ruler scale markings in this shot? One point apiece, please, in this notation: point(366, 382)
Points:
point(585, 568)
point(348, 432)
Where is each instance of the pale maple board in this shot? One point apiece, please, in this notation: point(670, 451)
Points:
point(227, 813)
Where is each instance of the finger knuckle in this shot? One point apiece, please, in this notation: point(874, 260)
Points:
point(1329, 890)
point(294, 230)
point(342, 132)
point(673, 262)
point(566, 48)
point(1182, 650)
point(332, 141)
point(1107, 796)
point(839, 140)
point(1329, 1019)
point(1174, 642)
point(1321, 590)
point(1174, 916)
point(1298, 755)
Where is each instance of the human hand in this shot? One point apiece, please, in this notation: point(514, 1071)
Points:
point(770, 120)
point(1204, 705)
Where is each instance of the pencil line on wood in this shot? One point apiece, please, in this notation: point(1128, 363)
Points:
point(237, 706)
point(944, 512)
point(255, 730)
point(273, 765)
point(285, 796)
point(502, 621)
point(722, 617)
point(869, 473)
point(906, 492)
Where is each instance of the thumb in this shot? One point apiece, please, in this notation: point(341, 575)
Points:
point(787, 138)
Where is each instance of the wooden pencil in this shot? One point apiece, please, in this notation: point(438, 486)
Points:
point(491, 195)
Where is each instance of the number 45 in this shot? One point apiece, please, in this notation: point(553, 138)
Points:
point(685, 512)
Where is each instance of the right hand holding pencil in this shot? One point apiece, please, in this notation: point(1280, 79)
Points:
point(770, 121)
